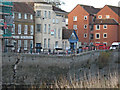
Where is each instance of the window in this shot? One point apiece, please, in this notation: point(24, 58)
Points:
point(91, 36)
point(105, 26)
point(45, 28)
point(19, 43)
point(53, 20)
point(19, 15)
point(26, 29)
point(38, 13)
point(13, 29)
point(104, 35)
point(49, 27)
point(31, 43)
point(75, 18)
point(105, 43)
point(107, 16)
point(31, 30)
point(49, 14)
point(31, 16)
point(59, 33)
point(25, 44)
point(13, 14)
point(100, 16)
point(85, 17)
point(48, 43)
point(97, 36)
point(57, 21)
point(85, 35)
point(19, 28)
point(45, 14)
point(56, 44)
point(63, 44)
point(45, 43)
point(38, 27)
point(75, 27)
point(55, 32)
point(97, 27)
point(85, 26)
point(25, 16)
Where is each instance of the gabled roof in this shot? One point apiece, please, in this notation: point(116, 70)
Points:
point(73, 38)
point(56, 9)
point(106, 21)
point(90, 9)
point(22, 7)
point(115, 9)
point(66, 33)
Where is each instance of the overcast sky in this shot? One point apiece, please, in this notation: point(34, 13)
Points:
point(70, 4)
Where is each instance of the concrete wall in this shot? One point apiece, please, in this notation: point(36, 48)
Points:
point(33, 69)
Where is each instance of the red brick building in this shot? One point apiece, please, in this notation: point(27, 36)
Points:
point(106, 25)
point(79, 19)
point(95, 25)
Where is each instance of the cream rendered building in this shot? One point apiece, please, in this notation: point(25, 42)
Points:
point(49, 21)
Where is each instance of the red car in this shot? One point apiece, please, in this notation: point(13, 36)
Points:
point(100, 46)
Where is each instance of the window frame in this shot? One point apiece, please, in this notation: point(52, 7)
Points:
point(74, 18)
point(104, 27)
point(96, 27)
point(96, 35)
point(104, 34)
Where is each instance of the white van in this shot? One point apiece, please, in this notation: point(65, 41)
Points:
point(115, 45)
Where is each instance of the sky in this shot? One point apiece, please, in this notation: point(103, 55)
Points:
point(70, 4)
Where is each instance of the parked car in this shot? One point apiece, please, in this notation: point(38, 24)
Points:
point(100, 46)
point(115, 45)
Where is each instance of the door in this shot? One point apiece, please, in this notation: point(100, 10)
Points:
point(38, 47)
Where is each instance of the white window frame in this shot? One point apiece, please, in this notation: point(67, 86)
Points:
point(97, 28)
point(45, 28)
point(74, 18)
point(85, 34)
point(38, 14)
point(105, 43)
point(104, 27)
point(59, 33)
point(25, 44)
point(19, 16)
point(31, 29)
point(26, 29)
point(96, 35)
point(25, 16)
point(49, 27)
point(19, 44)
point(99, 16)
point(49, 14)
point(19, 28)
point(107, 16)
point(13, 29)
point(53, 20)
point(57, 21)
point(38, 28)
point(45, 42)
point(75, 27)
point(86, 26)
point(45, 14)
point(56, 44)
point(49, 43)
point(31, 16)
point(13, 15)
point(85, 17)
point(104, 34)
point(55, 30)
point(31, 42)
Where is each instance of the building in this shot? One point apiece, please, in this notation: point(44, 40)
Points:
point(66, 33)
point(106, 26)
point(79, 19)
point(49, 21)
point(23, 28)
point(6, 23)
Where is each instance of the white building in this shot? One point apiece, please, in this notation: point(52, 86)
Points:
point(49, 21)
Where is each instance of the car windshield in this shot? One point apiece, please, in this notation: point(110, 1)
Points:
point(114, 45)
